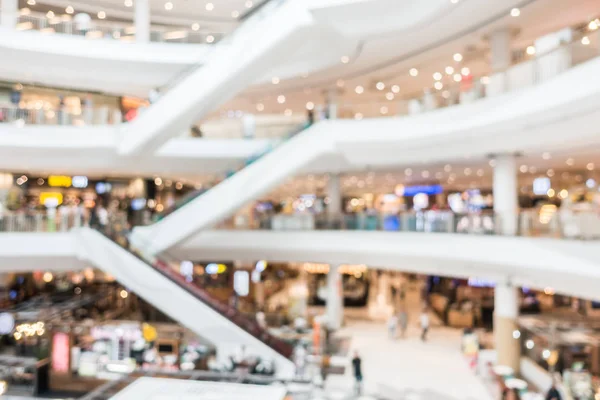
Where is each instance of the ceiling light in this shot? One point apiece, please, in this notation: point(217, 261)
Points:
point(396, 89)
point(69, 10)
point(485, 80)
point(408, 172)
point(288, 112)
point(389, 96)
point(358, 116)
point(593, 25)
point(101, 14)
point(310, 105)
point(447, 167)
point(235, 14)
point(449, 70)
point(384, 110)
point(590, 166)
point(168, 6)
point(281, 99)
point(530, 50)
point(128, 3)
point(458, 57)
point(446, 94)
point(413, 72)
point(546, 156)
point(457, 77)
point(195, 26)
point(492, 163)
point(570, 161)
point(550, 172)
point(339, 83)
point(515, 12)
point(425, 174)
point(209, 6)
point(345, 59)
point(380, 85)
point(563, 193)
point(523, 168)
point(359, 89)
point(438, 85)
point(260, 107)
point(532, 169)
point(585, 40)
point(275, 80)
point(210, 39)
point(468, 171)
point(454, 1)
point(480, 172)
point(50, 14)
point(465, 71)
point(550, 192)
point(249, 4)
point(32, 3)
point(437, 76)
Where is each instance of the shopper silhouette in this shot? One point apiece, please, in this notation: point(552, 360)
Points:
point(358, 376)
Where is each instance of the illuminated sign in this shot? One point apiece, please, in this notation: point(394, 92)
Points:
point(60, 352)
point(541, 186)
point(59, 181)
point(215, 268)
point(426, 189)
point(103, 187)
point(241, 283)
point(51, 199)
point(80, 182)
point(261, 265)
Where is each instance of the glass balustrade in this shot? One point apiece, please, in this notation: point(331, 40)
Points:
point(12, 114)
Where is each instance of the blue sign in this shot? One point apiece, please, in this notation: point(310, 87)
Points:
point(427, 189)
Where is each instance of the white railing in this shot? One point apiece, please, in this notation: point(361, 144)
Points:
point(65, 24)
point(42, 116)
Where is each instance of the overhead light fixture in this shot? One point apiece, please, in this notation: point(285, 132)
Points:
point(523, 168)
point(281, 99)
point(345, 59)
point(69, 10)
point(408, 172)
point(310, 105)
point(465, 71)
point(389, 96)
point(235, 14)
point(50, 14)
point(128, 3)
point(101, 14)
point(358, 116)
point(275, 80)
point(413, 72)
point(383, 110)
point(195, 26)
point(339, 83)
point(585, 40)
point(209, 6)
point(210, 39)
point(359, 89)
point(287, 112)
point(515, 12)
point(485, 80)
point(590, 166)
point(168, 6)
point(457, 77)
point(380, 85)
point(457, 57)
point(454, 1)
point(530, 50)
point(31, 2)
point(438, 85)
point(546, 156)
point(437, 76)
point(592, 26)
point(396, 89)
point(449, 70)
point(260, 107)
point(249, 4)
point(570, 162)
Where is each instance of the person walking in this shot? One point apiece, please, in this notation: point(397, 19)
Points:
point(424, 319)
point(358, 376)
point(553, 393)
point(392, 326)
point(403, 321)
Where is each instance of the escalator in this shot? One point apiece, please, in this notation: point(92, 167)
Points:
point(271, 35)
point(158, 283)
point(258, 177)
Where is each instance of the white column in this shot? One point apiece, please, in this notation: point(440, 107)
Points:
point(142, 21)
point(334, 192)
point(332, 104)
point(9, 13)
point(506, 331)
point(249, 126)
point(500, 59)
point(335, 298)
point(506, 194)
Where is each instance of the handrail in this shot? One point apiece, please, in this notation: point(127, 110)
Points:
point(103, 115)
point(164, 266)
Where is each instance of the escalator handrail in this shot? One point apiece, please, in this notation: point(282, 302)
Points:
point(242, 321)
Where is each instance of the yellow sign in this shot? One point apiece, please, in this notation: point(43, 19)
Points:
point(149, 332)
point(51, 198)
point(59, 181)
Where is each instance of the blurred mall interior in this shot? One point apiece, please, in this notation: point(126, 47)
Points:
point(300, 199)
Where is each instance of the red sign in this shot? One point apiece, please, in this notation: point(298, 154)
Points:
point(60, 352)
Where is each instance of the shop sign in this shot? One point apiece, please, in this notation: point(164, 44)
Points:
point(60, 352)
point(541, 186)
point(241, 283)
point(59, 181)
point(80, 182)
point(215, 268)
point(7, 323)
point(51, 199)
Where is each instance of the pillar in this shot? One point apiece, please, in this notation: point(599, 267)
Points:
point(334, 193)
point(142, 21)
point(332, 106)
point(9, 13)
point(505, 194)
point(500, 60)
point(249, 126)
point(335, 298)
point(506, 311)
